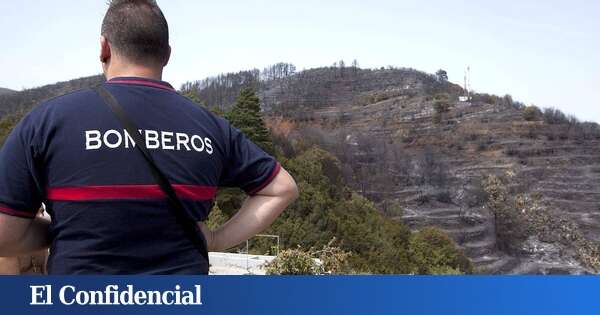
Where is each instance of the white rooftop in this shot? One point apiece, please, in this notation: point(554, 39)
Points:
point(237, 264)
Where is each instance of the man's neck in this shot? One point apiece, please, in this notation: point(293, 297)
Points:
point(134, 71)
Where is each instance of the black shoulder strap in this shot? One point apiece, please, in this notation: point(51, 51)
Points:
point(187, 222)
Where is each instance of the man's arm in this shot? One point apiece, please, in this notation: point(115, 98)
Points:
point(34, 263)
point(9, 266)
point(20, 236)
point(256, 214)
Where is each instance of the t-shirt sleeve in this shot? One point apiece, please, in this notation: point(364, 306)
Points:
point(247, 165)
point(20, 193)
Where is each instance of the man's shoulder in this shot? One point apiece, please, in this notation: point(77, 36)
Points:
point(57, 106)
point(193, 106)
point(74, 97)
point(62, 103)
point(199, 109)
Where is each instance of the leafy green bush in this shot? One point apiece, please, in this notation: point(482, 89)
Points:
point(531, 113)
point(433, 252)
point(446, 270)
point(331, 260)
point(334, 260)
point(293, 261)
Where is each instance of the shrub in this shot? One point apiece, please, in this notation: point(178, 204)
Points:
point(332, 260)
point(554, 116)
point(433, 252)
point(441, 103)
point(531, 113)
point(377, 244)
point(292, 262)
point(485, 98)
point(510, 226)
point(446, 270)
point(216, 218)
point(395, 210)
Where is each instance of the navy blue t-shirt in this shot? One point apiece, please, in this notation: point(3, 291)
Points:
point(108, 214)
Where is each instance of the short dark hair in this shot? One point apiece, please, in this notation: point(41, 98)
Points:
point(137, 30)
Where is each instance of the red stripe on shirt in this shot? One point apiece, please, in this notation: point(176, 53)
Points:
point(17, 213)
point(86, 193)
point(140, 82)
point(267, 181)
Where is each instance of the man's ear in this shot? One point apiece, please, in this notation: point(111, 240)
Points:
point(105, 52)
point(168, 57)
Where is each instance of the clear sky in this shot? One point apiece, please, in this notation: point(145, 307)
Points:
point(541, 52)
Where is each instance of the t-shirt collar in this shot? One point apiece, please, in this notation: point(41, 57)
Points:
point(142, 81)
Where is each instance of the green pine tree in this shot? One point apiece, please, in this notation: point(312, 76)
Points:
point(245, 115)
